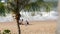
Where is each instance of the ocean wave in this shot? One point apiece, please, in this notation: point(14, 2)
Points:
point(26, 16)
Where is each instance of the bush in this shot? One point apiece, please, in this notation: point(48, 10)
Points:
point(6, 32)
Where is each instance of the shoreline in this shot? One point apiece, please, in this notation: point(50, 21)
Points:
point(33, 20)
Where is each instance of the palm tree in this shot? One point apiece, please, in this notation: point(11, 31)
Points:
point(15, 6)
point(2, 9)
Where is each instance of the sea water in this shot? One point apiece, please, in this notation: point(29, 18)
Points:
point(52, 15)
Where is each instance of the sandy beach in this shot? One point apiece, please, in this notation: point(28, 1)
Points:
point(35, 27)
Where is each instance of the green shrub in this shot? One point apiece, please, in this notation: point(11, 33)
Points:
point(7, 32)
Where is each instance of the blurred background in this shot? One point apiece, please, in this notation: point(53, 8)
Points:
point(37, 15)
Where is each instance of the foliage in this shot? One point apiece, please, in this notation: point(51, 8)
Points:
point(2, 9)
point(0, 0)
point(7, 32)
point(25, 5)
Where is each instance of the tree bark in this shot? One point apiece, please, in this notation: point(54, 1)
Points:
point(17, 19)
point(19, 31)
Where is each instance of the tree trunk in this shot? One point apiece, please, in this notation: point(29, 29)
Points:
point(17, 19)
point(19, 31)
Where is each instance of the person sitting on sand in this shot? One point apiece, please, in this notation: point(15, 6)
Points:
point(27, 22)
point(23, 22)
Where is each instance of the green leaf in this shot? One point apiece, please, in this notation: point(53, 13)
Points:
point(2, 9)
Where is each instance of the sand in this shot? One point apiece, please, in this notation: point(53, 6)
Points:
point(35, 27)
